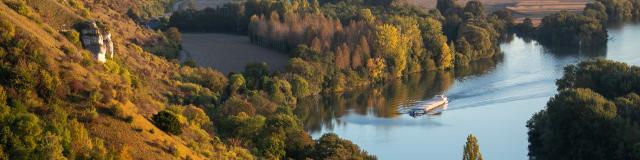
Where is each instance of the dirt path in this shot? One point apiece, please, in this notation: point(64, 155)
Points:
point(229, 53)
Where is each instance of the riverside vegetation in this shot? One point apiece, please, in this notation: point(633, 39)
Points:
point(594, 115)
point(338, 45)
point(56, 102)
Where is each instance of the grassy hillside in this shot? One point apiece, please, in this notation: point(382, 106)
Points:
point(57, 102)
point(85, 91)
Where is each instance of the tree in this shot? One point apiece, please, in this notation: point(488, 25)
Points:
point(444, 5)
point(73, 36)
point(255, 74)
point(476, 8)
point(236, 83)
point(376, 67)
point(366, 15)
point(342, 56)
point(390, 44)
point(436, 43)
point(174, 34)
point(526, 28)
point(234, 106)
point(596, 10)
point(618, 11)
point(51, 148)
point(196, 117)
point(330, 146)
point(608, 78)
point(506, 16)
point(571, 119)
point(299, 144)
point(167, 121)
point(480, 39)
point(241, 126)
point(280, 91)
point(471, 149)
point(20, 135)
point(300, 86)
point(570, 29)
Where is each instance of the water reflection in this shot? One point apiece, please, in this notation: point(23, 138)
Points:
point(492, 99)
point(383, 101)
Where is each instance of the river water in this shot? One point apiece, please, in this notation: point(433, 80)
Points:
point(491, 99)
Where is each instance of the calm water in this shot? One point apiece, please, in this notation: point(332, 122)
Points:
point(492, 100)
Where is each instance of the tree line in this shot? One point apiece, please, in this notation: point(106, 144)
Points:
point(353, 43)
point(586, 30)
point(594, 115)
point(376, 42)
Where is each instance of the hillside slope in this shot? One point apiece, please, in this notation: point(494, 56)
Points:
point(58, 102)
point(84, 92)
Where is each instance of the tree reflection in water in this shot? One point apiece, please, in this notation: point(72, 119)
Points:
point(324, 111)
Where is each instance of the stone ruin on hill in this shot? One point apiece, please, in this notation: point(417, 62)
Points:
point(97, 39)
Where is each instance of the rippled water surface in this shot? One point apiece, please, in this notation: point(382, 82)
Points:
point(491, 99)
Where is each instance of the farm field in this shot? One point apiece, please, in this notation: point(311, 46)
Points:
point(229, 53)
point(489, 4)
point(534, 9)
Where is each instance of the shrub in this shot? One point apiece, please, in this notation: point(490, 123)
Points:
point(236, 83)
point(118, 112)
point(234, 106)
point(330, 146)
point(20, 6)
point(73, 36)
point(168, 122)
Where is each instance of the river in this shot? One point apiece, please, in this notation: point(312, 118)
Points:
point(491, 99)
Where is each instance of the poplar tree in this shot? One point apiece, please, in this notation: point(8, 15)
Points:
point(471, 149)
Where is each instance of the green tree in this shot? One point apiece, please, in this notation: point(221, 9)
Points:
point(330, 146)
point(569, 125)
point(20, 135)
point(300, 86)
point(236, 83)
point(596, 10)
point(234, 106)
point(168, 122)
point(471, 149)
point(608, 78)
point(51, 148)
point(255, 74)
point(444, 5)
point(73, 36)
point(476, 8)
point(570, 29)
point(174, 35)
point(242, 126)
point(196, 117)
point(390, 44)
point(436, 43)
point(280, 91)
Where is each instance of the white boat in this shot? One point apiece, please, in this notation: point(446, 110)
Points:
point(439, 102)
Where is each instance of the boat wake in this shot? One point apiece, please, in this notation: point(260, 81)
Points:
point(455, 104)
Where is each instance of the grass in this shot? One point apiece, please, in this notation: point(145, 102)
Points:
point(151, 73)
point(55, 14)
